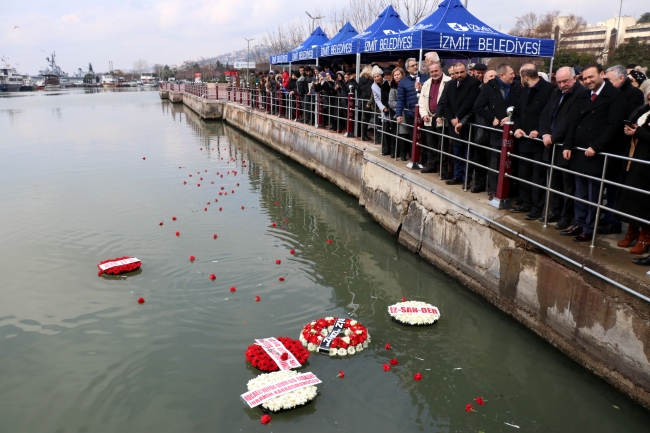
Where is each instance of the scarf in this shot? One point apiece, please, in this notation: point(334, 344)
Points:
point(505, 87)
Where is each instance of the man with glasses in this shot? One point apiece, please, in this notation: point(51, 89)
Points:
point(429, 98)
point(407, 95)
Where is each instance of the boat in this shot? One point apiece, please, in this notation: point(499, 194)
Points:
point(51, 82)
point(109, 80)
point(28, 84)
point(10, 80)
point(148, 80)
point(51, 75)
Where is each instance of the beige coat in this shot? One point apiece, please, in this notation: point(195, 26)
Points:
point(424, 97)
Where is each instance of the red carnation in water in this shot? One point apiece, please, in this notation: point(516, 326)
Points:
point(205, 209)
point(200, 178)
point(213, 277)
point(276, 203)
point(394, 361)
point(386, 367)
point(178, 234)
point(329, 241)
point(257, 299)
point(480, 400)
point(233, 191)
point(237, 183)
point(469, 408)
point(417, 376)
point(184, 183)
point(190, 175)
point(273, 224)
point(341, 374)
point(160, 223)
point(220, 193)
point(214, 236)
point(278, 261)
point(387, 346)
point(292, 251)
point(140, 300)
point(220, 209)
point(211, 183)
point(225, 193)
point(233, 289)
point(144, 157)
point(198, 184)
point(242, 207)
point(281, 278)
point(173, 218)
point(222, 187)
point(192, 258)
point(200, 148)
point(403, 299)
point(284, 356)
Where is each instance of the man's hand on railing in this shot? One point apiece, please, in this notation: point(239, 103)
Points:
point(590, 152)
point(399, 119)
point(547, 139)
point(566, 154)
point(454, 121)
point(533, 134)
point(519, 133)
point(504, 120)
point(426, 118)
point(458, 127)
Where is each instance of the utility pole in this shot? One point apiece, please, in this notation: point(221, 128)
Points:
point(248, 59)
point(465, 4)
point(618, 25)
point(313, 19)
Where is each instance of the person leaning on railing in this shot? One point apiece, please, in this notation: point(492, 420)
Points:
point(553, 127)
point(638, 176)
point(402, 129)
point(595, 120)
point(429, 97)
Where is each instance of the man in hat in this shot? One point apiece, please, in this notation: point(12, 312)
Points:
point(479, 71)
point(470, 69)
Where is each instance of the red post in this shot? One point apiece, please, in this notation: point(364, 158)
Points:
point(269, 101)
point(241, 96)
point(418, 123)
point(319, 110)
point(501, 200)
point(349, 126)
point(228, 93)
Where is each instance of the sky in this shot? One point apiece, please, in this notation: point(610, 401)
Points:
point(171, 31)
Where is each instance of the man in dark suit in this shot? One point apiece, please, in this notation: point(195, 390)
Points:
point(456, 102)
point(596, 120)
point(617, 75)
point(495, 98)
point(553, 127)
point(534, 97)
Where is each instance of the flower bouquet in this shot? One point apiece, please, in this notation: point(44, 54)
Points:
point(260, 358)
point(118, 265)
point(335, 337)
point(414, 313)
point(281, 390)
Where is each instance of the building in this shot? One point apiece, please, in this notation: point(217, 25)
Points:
point(602, 37)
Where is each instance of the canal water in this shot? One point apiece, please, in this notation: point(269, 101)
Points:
point(86, 176)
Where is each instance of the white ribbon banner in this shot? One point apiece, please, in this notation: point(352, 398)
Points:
point(275, 349)
point(258, 396)
point(426, 309)
point(109, 265)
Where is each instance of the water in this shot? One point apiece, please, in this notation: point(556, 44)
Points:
point(78, 354)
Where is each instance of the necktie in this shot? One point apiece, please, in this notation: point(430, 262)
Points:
point(458, 84)
point(593, 96)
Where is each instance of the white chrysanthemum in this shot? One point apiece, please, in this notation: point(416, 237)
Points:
point(329, 318)
point(311, 347)
point(359, 332)
point(342, 352)
point(330, 329)
point(353, 322)
point(324, 332)
point(359, 347)
point(320, 338)
point(347, 332)
point(346, 339)
point(415, 318)
point(313, 323)
point(351, 350)
point(365, 344)
point(284, 401)
point(332, 352)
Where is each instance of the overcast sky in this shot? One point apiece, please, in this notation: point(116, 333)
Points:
point(170, 31)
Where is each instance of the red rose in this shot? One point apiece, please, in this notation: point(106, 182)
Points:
point(278, 261)
point(192, 258)
point(257, 299)
point(469, 408)
point(214, 236)
point(173, 218)
point(387, 346)
point(233, 289)
point(140, 300)
point(417, 376)
point(403, 299)
point(284, 356)
point(386, 367)
point(292, 251)
point(480, 401)
point(178, 233)
point(273, 224)
point(281, 278)
point(341, 374)
point(160, 223)
point(265, 419)
point(213, 277)
point(394, 361)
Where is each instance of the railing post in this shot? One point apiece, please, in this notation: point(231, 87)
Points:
point(269, 101)
point(549, 186)
point(319, 110)
point(228, 93)
point(241, 96)
point(297, 107)
point(349, 124)
point(280, 103)
point(417, 137)
point(600, 203)
point(500, 199)
point(469, 148)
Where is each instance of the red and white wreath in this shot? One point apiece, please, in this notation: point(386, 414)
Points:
point(119, 265)
point(260, 358)
point(336, 337)
point(414, 313)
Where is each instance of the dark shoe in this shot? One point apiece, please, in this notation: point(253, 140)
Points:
point(517, 202)
point(552, 218)
point(574, 230)
point(475, 190)
point(533, 215)
point(365, 138)
point(429, 169)
point(643, 261)
point(385, 153)
point(563, 224)
point(520, 209)
point(490, 195)
point(610, 229)
point(583, 237)
point(446, 177)
point(402, 158)
point(454, 181)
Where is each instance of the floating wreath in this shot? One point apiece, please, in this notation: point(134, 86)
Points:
point(414, 313)
point(294, 389)
point(336, 337)
point(260, 358)
point(119, 265)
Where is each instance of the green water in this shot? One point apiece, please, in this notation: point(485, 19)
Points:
point(79, 354)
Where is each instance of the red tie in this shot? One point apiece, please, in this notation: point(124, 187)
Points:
point(593, 97)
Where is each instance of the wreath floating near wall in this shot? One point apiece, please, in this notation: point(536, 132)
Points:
point(289, 400)
point(119, 265)
point(414, 313)
point(260, 359)
point(335, 337)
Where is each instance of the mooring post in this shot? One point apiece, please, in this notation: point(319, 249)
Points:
point(319, 110)
point(500, 199)
point(280, 103)
point(297, 108)
point(349, 126)
point(417, 137)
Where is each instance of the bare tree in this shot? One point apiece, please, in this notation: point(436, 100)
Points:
point(549, 25)
point(140, 66)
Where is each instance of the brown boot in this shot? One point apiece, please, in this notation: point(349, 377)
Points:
point(631, 236)
point(643, 242)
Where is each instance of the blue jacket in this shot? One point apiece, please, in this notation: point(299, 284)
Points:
point(407, 96)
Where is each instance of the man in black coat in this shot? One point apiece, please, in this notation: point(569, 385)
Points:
point(456, 102)
point(534, 97)
point(495, 98)
point(553, 127)
point(596, 120)
point(617, 75)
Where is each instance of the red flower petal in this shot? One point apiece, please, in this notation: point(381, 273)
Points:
point(257, 299)
point(160, 223)
point(233, 289)
point(281, 278)
point(173, 218)
point(198, 184)
point(394, 361)
point(140, 300)
point(284, 356)
point(220, 209)
point(238, 184)
point(184, 183)
point(213, 277)
point(192, 258)
point(222, 188)
point(178, 233)
point(480, 401)
point(143, 158)
point(387, 346)
point(214, 236)
point(469, 408)
point(276, 203)
point(386, 367)
point(273, 224)
point(233, 191)
point(403, 299)
point(341, 374)
point(292, 251)
point(278, 261)
point(205, 209)
point(329, 241)
point(242, 207)
point(417, 376)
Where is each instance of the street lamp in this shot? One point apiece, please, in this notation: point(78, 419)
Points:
point(248, 59)
point(202, 69)
point(313, 19)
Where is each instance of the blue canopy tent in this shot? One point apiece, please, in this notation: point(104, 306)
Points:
point(383, 34)
point(305, 52)
point(340, 44)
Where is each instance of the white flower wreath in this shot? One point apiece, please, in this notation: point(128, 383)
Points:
point(414, 313)
point(289, 400)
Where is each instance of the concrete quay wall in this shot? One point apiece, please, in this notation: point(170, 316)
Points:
point(599, 325)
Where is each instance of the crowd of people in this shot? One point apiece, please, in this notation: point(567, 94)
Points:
point(570, 118)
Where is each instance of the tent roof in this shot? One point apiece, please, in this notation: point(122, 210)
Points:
point(347, 31)
point(381, 32)
point(341, 44)
point(317, 37)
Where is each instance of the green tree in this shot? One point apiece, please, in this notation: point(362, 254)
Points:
point(570, 58)
point(644, 18)
point(630, 52)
